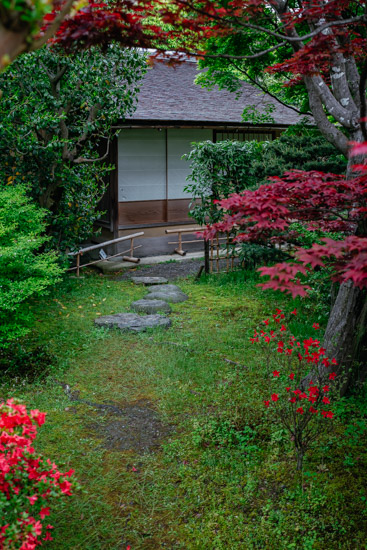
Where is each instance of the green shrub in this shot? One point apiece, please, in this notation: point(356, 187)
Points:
point(25, 271)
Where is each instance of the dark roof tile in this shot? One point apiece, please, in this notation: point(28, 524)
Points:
point(169, 93)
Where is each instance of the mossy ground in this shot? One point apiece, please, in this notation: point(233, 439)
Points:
point(224, 477)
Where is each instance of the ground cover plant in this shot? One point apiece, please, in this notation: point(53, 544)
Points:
point(224, 472)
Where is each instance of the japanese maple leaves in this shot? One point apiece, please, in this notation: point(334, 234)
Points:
point(320, 201)
point(295, 403)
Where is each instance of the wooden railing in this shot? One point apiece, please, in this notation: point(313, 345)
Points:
point(179, 250)
point(129, 258)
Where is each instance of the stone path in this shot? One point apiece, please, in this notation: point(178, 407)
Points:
point(160, 293)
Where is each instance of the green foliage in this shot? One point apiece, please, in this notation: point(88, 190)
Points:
point(254, 116)
point(222, 478)
point(219, 169)
point(56, 114)
point(25, 271)
point(299, 148)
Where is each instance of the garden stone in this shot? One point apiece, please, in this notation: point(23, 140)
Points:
point(149, 280)
point(132, 321)
point(151, 306)
point(173, 297)
point(165, 288)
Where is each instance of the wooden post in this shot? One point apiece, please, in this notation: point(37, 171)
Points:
point(211, 254)
point(227, 252)
point(77, 265)
point(206, 256)
point(217, 253)
point(131, 247)
point(179, 249)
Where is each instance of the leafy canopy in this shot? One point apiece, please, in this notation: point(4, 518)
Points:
point(56, 117)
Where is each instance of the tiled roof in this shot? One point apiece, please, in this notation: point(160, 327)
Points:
point(169, 94)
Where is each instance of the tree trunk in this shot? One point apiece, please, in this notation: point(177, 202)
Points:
point(346, 336)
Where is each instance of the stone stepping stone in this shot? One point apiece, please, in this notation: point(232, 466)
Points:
point(166, 288)
point(151, 306)
point(173, 297)
point(132, 321)
point(149, 280)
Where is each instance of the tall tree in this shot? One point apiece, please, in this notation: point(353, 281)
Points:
point(55, 111)
point(322, 46)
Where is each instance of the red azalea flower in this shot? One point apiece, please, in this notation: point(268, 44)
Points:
point(313, 410)
point(291, 376)
point(300, 410)
point(283, 328)
point(266, 403)
point(326, 388)
point(294, 312)
point(316, 326)
point(288, 389)
point(276, 373)
point(266, 322)
point(332, 376)
point(326, 400)
point(275, 397)
point(293, 400)
point(334, 361)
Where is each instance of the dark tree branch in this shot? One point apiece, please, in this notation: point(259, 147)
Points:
point(81, 160)
point(266, 91)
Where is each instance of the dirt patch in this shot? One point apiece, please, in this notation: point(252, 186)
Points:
point(135, 426)
point(171, 271)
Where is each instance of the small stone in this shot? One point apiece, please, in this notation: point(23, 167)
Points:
point(132, 321)
point(149, 280)
point(151, 306)
point(166, 288)
point(173, 297)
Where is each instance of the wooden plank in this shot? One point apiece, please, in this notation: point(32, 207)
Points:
point(178, 210)
point(141, 212)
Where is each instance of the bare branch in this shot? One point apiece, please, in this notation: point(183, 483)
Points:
point(81, 160)
point(266, 91)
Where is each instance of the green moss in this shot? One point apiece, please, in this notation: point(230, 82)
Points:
point(224, 477)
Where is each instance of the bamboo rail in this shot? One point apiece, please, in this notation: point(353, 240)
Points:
point(129, 258)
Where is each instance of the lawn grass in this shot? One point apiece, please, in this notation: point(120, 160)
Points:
point(224, 476)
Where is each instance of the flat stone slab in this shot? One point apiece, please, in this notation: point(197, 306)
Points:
point(173, 297)
point(149, 280)
point(151, 306)
point(132, 321)
point(166, 288)
point(107, 266)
